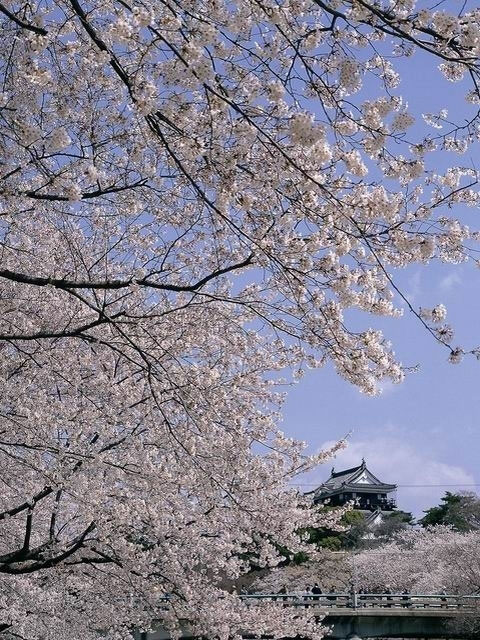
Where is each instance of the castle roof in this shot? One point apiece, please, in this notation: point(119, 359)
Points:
point(357, 479)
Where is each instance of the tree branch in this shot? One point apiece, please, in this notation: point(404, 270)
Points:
point(79, 331)
point(46, 491)
point(48, 563)
point(61, 283)
point(55, 197)
point(25, 25)
point(28, 531)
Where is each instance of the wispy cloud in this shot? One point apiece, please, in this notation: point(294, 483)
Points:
point(414, 288)
point(450, 281)
point(387, 387)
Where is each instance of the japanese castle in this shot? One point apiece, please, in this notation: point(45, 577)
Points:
point(359, 486)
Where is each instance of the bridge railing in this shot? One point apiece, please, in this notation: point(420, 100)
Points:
point(355, 600)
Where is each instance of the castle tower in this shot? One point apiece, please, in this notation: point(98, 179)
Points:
point(359, 486)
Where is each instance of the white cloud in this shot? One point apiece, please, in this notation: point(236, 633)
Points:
point(387, 387)
point(395, 461)
point(447, 283)
point(414, 287)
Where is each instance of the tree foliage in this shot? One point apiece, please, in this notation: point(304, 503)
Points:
point(459, 510)
point(424, 561)
point(431, 560)
point(392, 523)
point(353, 531)
point(192, 195)
point(347, 533)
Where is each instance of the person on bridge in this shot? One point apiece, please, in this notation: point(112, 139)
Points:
point(361, 600)
point(332, 598)
point(389, 597)
point(316, 591)
point(444, 600)
point(303, 596)
point(352, 597)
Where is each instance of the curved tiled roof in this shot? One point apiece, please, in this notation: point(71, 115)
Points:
point(335, 474)
point(357, 478)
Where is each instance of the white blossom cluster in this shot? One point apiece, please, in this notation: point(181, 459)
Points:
point(350, 76)
point(58, 140)
point(402, 121)
point(195, 197)
point(429, 560)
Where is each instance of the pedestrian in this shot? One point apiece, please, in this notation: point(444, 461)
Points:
point(316, 591)
point(389, 597)
point(352, 596)
point(332, 598)
point(361, 599)
point(444, 600)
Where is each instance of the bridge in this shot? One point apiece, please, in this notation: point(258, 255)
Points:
point(354, 616)
point(384, 615)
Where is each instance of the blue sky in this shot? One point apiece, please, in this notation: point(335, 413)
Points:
point(426, 430)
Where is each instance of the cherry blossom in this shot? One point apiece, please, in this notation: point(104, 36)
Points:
point(423, 561)
point(194, 198)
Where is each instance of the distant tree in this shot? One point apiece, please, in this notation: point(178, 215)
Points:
point(356, 529)
point(440, 514)
point(328, 570)
point(427, 560)
point(460, 510)
point(347, 534)
point(392, 523)
point(357, 534)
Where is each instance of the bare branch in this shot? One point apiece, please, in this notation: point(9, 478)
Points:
point(30, 27)
point(65, 284)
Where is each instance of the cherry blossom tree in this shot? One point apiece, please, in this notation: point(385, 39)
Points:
point(192, 195)
point(423, 561)
point(432, 560)
point(331, 571)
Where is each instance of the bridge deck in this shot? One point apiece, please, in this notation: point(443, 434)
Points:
point(389, 604)
point(389, 613)
point(370, 615)
point(382, 615)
